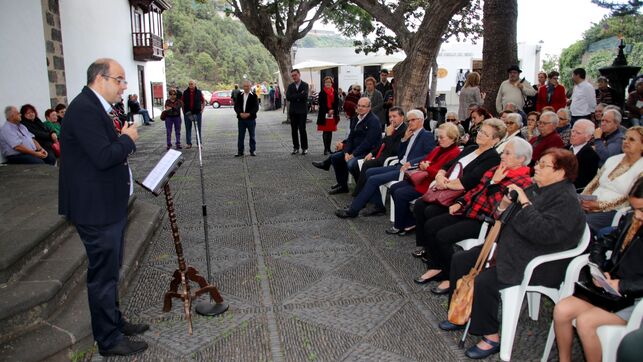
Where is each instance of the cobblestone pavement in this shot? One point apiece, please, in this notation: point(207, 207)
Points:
point(302, 285)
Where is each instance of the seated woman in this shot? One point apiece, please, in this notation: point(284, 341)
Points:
point(624, 272)
point(472, 163)
point(404, 192)
point(477, 117)
point(549, 220)
point(465, 217)
point(531, 129)
point(51, 122)
point(613, 180)
point(45, 136)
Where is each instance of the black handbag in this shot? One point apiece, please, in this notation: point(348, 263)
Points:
point(596, 296)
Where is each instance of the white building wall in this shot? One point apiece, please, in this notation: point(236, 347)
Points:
point(23, 74)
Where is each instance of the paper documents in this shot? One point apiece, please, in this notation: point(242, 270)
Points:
point(155, 179)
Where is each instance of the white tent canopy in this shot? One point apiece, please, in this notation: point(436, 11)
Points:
point(380, 60)
point(312, 64)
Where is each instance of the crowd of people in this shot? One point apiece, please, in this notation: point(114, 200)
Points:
point(569, 158)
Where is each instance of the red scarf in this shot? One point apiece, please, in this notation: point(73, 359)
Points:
point(330, 97)
point(520, 171)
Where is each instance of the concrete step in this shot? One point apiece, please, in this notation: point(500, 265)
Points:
point(53, 318)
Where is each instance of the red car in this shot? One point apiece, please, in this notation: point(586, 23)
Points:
point(221, 98)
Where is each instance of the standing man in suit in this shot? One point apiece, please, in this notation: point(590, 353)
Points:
point(193, 104)
point(246, 107)
point(587, 158)
point(297, 96)
point(95, 183)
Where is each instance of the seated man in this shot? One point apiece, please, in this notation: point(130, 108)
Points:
point(135, 108)
point(608, 137)
point(389, 147)
point(18, 145)
point(416, 144)
point(548, 136)
point(365, 135)
point(581, 134)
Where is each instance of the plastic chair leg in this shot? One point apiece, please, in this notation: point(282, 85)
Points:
point(610, 337)
point(551, 336)
point(533, 302)
point(511, 303)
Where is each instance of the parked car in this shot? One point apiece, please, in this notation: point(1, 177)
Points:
point(207, 95)
point(221, 98)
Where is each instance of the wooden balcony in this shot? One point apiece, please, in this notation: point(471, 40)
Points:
point(147, 46)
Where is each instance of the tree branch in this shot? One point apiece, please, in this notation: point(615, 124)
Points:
point(391, 20)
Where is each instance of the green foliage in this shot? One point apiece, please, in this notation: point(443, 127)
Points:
point(550, 63)
point(598, 60)
point(324, 41)
point(216, 51)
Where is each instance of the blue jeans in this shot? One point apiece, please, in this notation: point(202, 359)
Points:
point(342, 168)
point(375, 177)
point(146, 115)
point(188, 127)
point(29, 159)
point(250, 125)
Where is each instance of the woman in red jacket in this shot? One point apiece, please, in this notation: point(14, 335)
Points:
point(551, 94)
point(404, 192)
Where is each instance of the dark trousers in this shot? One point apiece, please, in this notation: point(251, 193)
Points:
point(173, 122)
point(360, 181)
point(298, 130)
point(104, 247)
point(424, 211)
point(403, 193)
point(188, 127)
point(327, 138)
point(375, 177)
point(486, 292)
point(29, 159)
point(441, 232)
point(342, 168)
point(244, 125)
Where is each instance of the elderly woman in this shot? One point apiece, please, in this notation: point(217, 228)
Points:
point(452, 117)
point(531, 129)
point(377, 100)
point(350, 102)
point(465, 216)
point(462, 173)
point(624, 273)
point(328, 114)
point(51, 122)
point(404, 192)
point(564, 128)
point(45, 136)
point(173, 119)
point(612, 182)
point(477, 117)
point(470, 94)
point(513, 121)
point(549, 220)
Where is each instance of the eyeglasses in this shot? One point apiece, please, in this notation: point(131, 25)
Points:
point(543, 122)
point(415, 119)
point(451, 119)
point(509, 122)
point(541, 164)
point(364, 105)
point(120, 80)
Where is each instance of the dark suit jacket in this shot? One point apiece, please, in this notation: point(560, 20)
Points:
point(94, 176)
point(424, 143)
point(198, 101)
point(364, 137)
point(252, 106)
point(391, 143)
point(587, 166)
point(473, 172)
point(298, 99)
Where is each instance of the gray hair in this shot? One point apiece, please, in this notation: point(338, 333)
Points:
point(601, 106)
point(416, 113)
point(614, 110)
point(522, 148)
point(553, 117)
point(452, 114)
point(368, 99)
point(567, 114)
point(499, 127)
point(510, 106)
point(98, 67)
point(516, 117)
point(584, 126)
point(7, 111)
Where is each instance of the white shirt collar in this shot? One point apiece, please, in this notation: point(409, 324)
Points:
point(577, 149)
point(105, 103)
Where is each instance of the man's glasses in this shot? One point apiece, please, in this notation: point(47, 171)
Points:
point(543, 122)
point(120, 80)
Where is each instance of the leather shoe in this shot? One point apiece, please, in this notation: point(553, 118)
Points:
point(294, 151)
point(335, 186)
point(419, 252)
point(404, 232)
point(438, 278)
point(239, 155)
point(392, 231)
point(253, 153)
point(130, 329)
point(323, 165)
point(476, 352)
point(304, 152)
point(125, 347)
point(374, 212)
point(339, 190)
point(439, 291)
point(448, 326)
point(345, 213)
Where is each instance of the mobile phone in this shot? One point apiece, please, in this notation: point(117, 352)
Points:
point(522, 80)
point(587, 197)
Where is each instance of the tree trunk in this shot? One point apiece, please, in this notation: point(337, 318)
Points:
point(434, 83)
point(499, 49)
point(412, 74)
point(285, 65)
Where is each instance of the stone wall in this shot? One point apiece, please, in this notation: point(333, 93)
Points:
point(54, 52)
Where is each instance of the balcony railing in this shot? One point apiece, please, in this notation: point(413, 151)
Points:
point(147, 46)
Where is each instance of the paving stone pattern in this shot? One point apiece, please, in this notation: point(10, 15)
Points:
point(302, 285)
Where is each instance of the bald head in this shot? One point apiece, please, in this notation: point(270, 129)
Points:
point(107, 78)
point(363, 106)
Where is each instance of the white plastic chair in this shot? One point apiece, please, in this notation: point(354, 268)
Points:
point(609, 335)
point(512, 297)
point(619, 214)
point(467, 244)
point(393, 160)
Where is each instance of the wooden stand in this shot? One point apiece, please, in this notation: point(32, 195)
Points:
point(184, 274)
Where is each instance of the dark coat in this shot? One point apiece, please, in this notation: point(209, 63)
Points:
point(134, 107)
point(587, 166)
point(364, 137)
point(391, 143)
point(624, 265)
point(41, 133)
point(555, 222)
point(198, 101)
point(94, 173)
point(323, 107)
point(252, 106)
point(472, 173)
point(297, 99)
point(423, 144)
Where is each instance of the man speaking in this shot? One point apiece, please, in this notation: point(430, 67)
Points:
point(94, 186)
